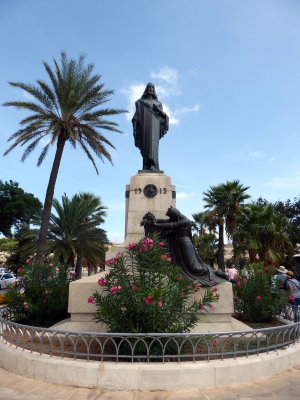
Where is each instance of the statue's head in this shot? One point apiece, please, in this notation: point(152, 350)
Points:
point(150, 92)
point(173, 213)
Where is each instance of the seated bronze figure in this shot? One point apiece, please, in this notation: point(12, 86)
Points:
point(176, 231)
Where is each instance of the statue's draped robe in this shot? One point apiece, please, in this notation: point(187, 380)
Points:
point(183, 253)
point(150, 124)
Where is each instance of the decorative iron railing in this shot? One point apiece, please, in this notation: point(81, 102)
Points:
point(150, 347)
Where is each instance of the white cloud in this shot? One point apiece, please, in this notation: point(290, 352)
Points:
point(288, 182)
point(166, 74)
point(185, 195)
point(172, 119)
point(168, 85)
point(133, 93)
point(256, 154)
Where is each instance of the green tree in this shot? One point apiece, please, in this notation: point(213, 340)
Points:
point(64, 110)
point(262, 233)
point(74, 230)
point(17, 207)
point(291, 210)
point(224, 203)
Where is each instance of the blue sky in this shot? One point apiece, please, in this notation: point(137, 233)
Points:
point(226, 71)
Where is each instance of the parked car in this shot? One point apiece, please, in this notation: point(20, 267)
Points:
point(6, 279)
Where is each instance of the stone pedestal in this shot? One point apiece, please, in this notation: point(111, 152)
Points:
point(81, 311)
point(148, 191)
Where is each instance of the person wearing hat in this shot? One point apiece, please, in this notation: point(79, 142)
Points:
point(281, 277)
point(293, 286)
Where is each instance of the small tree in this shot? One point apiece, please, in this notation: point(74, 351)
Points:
point(144, 292)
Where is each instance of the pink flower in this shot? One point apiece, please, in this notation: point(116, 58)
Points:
point(214, 288)
point(177, 278)
point(28, 261)
point(147, 301)
point(131, 246)
point(211, 306)
point(238, 284)
point(159, 303)
point(114, 289)
point(258, 297)
point(217, 296)
point(181, 294)
point(292, 298)
point(160, 244)
point(46, 291)
point(166, 257)
point(102, 282)
point(119, 255)
point(202, 306)
point(19, 270)
point(148, 240)
point(215, 341)
point(49, 278)
point(91, 300)
point(245, 280)
point(137, 288)
point(25, 305)
point(50, 265)
point(73, 273)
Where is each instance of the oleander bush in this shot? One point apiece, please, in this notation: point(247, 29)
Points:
point(42, 297)
point(144, 292)
point(259, 297)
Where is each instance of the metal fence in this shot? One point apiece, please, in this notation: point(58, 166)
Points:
point(151, 347)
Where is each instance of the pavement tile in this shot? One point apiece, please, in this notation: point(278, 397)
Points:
point(224, 393)
point(115, 395)
point(186, 395)
point(150, 395)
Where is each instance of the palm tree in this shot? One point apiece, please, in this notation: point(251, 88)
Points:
point(224, 204)
point(65, 110)
point(74, 230)
point(262, 232)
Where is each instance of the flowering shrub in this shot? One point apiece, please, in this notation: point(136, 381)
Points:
point(144, 292)
point(42, 299)
point(258, 295)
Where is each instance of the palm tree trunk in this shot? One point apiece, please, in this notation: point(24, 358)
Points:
point(78, 267)
point(48, 201)
point(221, 261)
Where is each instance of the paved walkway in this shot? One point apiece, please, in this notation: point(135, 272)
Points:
point(285, 386)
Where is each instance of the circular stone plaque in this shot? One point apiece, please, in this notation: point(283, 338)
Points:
point(150, 191)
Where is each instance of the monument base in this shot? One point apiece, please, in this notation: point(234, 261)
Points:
point(82, 312)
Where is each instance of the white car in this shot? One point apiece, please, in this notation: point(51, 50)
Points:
point(6, 279)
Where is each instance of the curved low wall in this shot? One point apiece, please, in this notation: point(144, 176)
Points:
point(144, 376)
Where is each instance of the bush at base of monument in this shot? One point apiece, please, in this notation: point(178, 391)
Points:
point(42, 298)
point(259, 298)
point(146, 293)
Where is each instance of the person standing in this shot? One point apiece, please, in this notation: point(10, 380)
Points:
point(293, 286)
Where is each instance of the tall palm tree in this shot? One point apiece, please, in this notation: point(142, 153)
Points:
point(224, 204)
point(64, 110)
